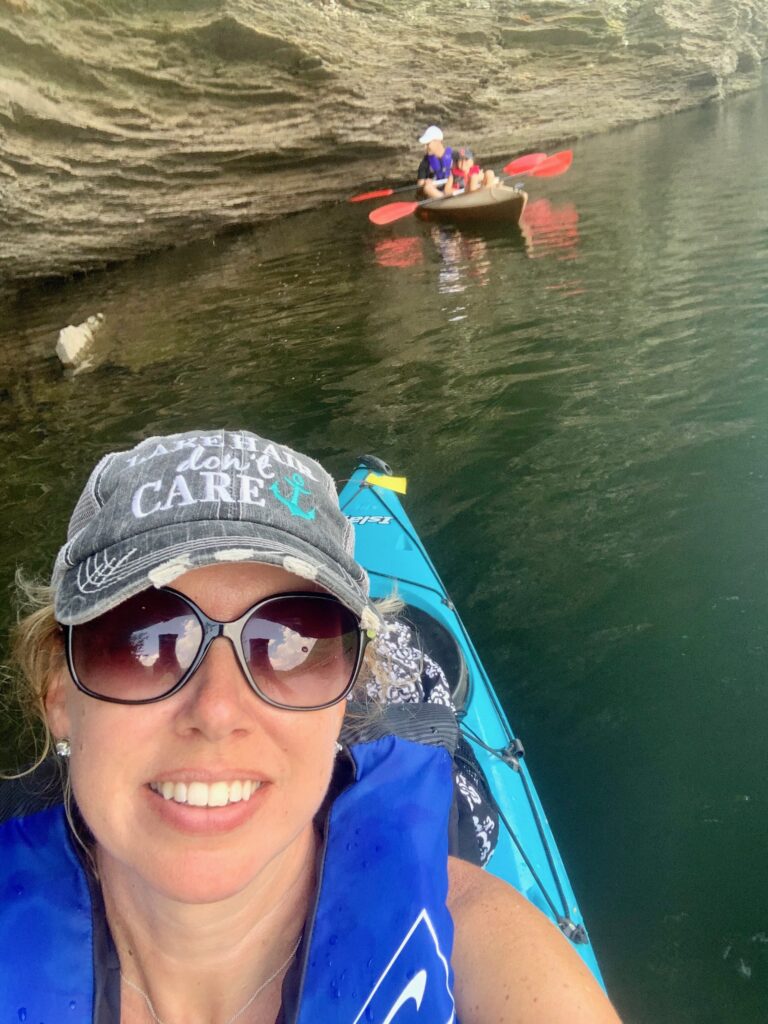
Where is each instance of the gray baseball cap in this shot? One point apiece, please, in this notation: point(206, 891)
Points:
point(173, 503)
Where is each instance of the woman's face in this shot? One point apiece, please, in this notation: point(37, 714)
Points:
point(214, 730)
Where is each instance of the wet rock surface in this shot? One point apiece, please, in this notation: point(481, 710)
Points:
point(130, 125)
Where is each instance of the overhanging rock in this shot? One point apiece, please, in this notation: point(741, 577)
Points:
point(127, 127)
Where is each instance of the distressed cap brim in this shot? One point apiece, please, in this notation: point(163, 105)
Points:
point(101, 582)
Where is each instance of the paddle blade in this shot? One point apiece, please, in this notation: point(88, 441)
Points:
point(381, 193)
point(392, 211)
point(523, 164)
point(553, 165)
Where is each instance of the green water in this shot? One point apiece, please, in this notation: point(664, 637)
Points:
point(581, 411)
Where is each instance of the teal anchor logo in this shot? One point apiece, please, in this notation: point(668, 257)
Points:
point(297, 483)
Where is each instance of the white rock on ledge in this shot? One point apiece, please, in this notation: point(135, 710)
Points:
point(74, 342)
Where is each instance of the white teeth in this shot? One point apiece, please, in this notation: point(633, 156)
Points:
point(206, 794)
point(197, 794)
point(218, 794)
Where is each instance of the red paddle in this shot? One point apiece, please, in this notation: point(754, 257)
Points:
point(548, 168)
point(381, 193)
point(393, 211)
point(556, 164)
point(524, 163)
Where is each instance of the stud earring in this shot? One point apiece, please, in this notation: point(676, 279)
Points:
point(63, 748)
point(339, 747)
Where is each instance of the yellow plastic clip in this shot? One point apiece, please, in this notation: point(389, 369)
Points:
point(399, 484)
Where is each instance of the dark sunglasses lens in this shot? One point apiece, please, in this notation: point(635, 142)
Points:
point(140, 649)
point(302, 651)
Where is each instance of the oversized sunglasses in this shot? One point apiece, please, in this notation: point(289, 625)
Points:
point(297, 651)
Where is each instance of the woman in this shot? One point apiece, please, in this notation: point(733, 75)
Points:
point(220, 858)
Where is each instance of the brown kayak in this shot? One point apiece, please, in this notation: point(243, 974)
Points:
point(499, 204)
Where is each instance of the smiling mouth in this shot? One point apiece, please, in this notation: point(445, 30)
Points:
point(206, 794)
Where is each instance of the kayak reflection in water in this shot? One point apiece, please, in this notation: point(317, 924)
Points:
point(464, 259)
point(227, 835)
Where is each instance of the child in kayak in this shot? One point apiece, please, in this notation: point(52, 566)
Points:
point(466, 175)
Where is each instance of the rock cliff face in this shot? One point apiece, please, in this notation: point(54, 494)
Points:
point(127, 125)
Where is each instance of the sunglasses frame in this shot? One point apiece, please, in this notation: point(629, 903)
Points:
point(233, 631)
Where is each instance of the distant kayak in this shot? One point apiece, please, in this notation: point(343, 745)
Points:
point(499, 204)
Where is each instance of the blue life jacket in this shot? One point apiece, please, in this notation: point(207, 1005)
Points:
point(441, 165)
point(46, 947)
point(378, 944)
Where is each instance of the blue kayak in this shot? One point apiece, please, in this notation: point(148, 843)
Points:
point(389, 548)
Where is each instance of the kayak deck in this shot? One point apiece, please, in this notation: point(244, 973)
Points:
point(526, 855)
point(487, 205)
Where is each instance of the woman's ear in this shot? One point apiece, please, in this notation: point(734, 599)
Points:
point(56, 709)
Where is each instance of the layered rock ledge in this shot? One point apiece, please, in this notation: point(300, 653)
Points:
point(129, 125)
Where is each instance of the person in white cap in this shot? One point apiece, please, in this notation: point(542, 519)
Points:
point(436, 163)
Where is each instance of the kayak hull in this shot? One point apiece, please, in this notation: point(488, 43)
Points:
point(526, 855)
point(498, 205)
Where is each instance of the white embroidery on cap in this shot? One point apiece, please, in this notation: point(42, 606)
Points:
point(235, 554)
point(166, 573)
point(99, 571)
point(299, 567)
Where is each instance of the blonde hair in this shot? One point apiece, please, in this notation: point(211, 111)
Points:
point(37, 655)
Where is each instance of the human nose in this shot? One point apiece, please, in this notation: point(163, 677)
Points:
point(217, 699)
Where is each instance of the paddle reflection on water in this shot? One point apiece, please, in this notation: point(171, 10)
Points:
point(399, 252)
point(546, 227)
